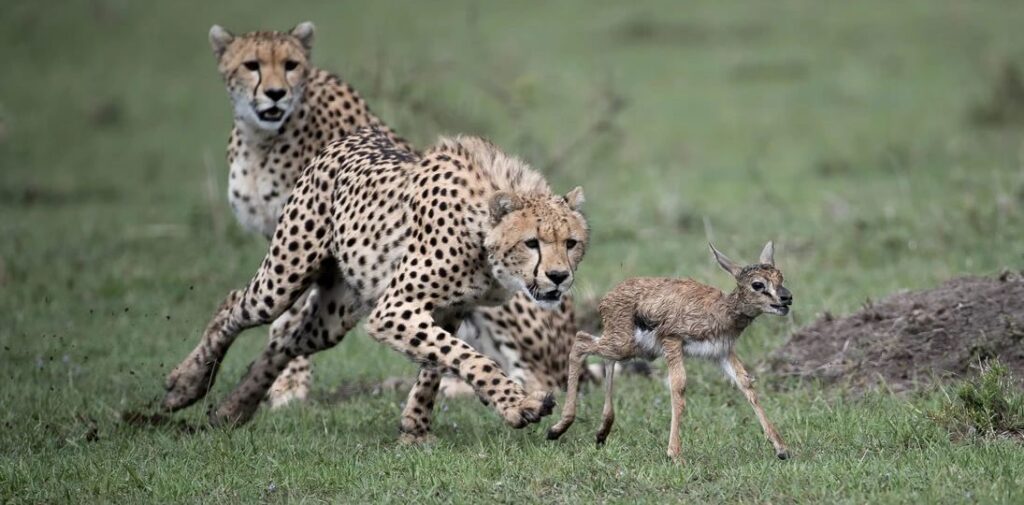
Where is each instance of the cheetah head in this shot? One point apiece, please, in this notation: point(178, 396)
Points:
point(536, 243)
point(265, 72)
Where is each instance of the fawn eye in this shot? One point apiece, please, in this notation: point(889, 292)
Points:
point(758, 286)
point(569, 244)
point(252, 65)
point(290, 65)
point(532, 243)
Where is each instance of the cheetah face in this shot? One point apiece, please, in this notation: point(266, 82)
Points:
point(536, 243)
point(265, 72)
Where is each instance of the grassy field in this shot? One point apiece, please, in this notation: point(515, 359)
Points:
point(843, 132)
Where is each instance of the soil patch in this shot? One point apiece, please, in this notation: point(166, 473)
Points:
point(913, 337)
point(137, 419)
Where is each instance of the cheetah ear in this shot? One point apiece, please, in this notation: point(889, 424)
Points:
point(219, 40)
point(502, 203)
point(575, 198)
point(304, 32)
point(724, 261)
point(768, 254)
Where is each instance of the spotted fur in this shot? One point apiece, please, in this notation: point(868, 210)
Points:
point(271, 71)
point(412, 242)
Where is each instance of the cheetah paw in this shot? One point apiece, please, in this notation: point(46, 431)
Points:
point(531, 409)
point(233, 412)
point(411, 439)
point(188, 383)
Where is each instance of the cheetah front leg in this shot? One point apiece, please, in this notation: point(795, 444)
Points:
point(407, 326)
point(294, 382)
point(419, 405)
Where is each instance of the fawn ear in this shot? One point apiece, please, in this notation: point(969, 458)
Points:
point(503, 203)
point(724, 262)
point(768, 254)
point(575, 198)
point(304, 32)
point(219, 40)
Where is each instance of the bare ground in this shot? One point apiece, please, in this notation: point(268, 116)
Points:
point(911, 337)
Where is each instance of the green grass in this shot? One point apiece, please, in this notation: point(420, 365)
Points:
point(841, 131)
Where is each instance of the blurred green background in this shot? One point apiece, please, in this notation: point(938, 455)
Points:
point(878, 143)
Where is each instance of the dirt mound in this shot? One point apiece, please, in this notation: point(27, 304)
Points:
point(913, 336)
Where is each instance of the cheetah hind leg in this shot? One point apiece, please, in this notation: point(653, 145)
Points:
point(333, 312)
point(192, 378)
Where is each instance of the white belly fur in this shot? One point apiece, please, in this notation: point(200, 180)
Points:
point(711, 349)
point(256, 215)
point(647, 342)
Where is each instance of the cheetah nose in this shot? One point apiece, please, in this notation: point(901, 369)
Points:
point(557, 276)
point(275, 94)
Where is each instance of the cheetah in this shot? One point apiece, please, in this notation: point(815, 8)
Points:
point(285, 111)
point(412, 242)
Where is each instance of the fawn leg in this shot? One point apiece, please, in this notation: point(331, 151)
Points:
point(734, 368)
point(581, 347)
point(608, 414)
point(673, 350)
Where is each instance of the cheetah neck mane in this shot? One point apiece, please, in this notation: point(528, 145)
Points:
point(506, 172)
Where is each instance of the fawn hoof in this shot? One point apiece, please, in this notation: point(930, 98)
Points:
point(554, 434)
point(783, 454)
point(601, 437)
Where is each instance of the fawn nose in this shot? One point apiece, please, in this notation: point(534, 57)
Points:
point(785, 296)
point(275, 94)
point(557, 276)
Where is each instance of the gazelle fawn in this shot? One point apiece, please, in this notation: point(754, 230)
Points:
point(651, 317)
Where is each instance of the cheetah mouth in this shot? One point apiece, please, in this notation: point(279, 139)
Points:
point(551, 296)
point(271, 114)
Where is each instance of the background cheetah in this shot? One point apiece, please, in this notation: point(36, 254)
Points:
point(285, 111)
point(413, 242)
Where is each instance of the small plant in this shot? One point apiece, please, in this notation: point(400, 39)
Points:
point(1005, 105)
point(989, 405)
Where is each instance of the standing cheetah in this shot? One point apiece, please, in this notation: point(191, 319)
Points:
point(285, 111)
point(413, 242)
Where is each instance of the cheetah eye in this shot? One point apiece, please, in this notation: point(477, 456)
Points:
point(569, 244)
point(290, 65)
point(252, 65)
point(532, 243)
point(758, 286)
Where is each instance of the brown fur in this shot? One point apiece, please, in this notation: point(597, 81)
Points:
point(650, 317)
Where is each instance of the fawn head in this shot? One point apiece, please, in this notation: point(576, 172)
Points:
point(759, 286)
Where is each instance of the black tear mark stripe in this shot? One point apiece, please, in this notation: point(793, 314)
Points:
point(536, 268)
point(259, 80)
point(644, 323)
